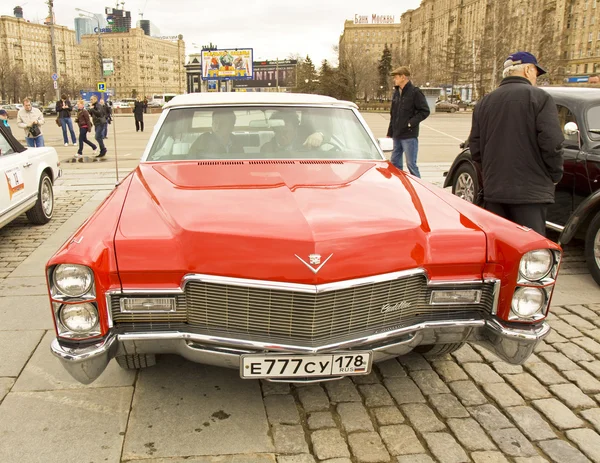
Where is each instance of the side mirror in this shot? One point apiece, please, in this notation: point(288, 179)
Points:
point(386, 144)
point(571, 128)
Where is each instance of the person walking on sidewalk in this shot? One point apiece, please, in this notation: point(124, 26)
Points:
point(107, 107)
point(138, 112)
point(85, 125)
point(63, 110)
point(409, 109)
point(99, 119)
point(31, 119)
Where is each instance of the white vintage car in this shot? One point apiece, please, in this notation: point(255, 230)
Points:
point(29, 175)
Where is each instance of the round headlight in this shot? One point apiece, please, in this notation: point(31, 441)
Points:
point(72, 279)
point(535, 265)
point(79, 318)
point(527, 302)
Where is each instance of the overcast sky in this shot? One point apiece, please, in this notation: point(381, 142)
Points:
point(273, 28)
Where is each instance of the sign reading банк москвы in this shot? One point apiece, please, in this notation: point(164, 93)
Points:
point(375, 19)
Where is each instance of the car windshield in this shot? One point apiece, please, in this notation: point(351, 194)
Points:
point(593, 122)
point(262, 132)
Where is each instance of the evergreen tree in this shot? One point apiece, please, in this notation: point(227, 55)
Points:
point(384, 67)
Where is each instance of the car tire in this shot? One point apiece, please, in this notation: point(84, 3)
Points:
point(452, 110)
point(592, 248)
point(41, 213)
point(136, 361)
point(437, 350)
point(466, 184)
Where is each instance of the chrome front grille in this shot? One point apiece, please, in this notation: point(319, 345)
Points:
point(263, 314)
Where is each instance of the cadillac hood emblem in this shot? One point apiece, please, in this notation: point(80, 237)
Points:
point(314, 259)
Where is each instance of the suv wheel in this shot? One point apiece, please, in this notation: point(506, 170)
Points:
point(465, 184)
point(592, 248)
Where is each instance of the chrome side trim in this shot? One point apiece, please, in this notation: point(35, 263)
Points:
point(554, 226)
point(497, 284)
point(107, 297)
point(475, 302)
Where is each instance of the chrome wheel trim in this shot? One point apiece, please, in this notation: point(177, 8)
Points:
point(47, 197)
point(597, 248)
point(465, 187)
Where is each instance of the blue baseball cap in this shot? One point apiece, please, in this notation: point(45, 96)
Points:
point(3, 112)
point(523, 57)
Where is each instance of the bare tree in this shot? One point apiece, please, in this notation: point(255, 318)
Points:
point(360, 71)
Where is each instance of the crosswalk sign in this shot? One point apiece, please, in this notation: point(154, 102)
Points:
point(102, 86)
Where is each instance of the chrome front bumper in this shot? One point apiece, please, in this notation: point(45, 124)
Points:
point(511, 344)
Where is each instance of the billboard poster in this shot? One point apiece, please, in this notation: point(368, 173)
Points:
point(212, 86)
point(272, 73)
point(227, 64)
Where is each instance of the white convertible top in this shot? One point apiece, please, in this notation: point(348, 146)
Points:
point(254, 98)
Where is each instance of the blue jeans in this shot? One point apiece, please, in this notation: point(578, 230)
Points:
point(36, 142)
point(100, 138)
point(105, 133)
point(64, 123)
point(410, 146)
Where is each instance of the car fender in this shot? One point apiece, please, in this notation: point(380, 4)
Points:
point(465, 156)
point(47, 161)
point(585, 210)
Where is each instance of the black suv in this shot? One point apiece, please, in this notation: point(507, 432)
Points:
point(576, 211)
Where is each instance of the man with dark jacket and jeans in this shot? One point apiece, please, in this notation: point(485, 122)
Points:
point(99, 119)
point(409, 108)
point(517, 140)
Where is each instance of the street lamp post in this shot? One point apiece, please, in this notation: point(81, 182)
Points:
point(90, 15)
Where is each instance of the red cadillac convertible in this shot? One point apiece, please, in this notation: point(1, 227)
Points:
point(268, 233)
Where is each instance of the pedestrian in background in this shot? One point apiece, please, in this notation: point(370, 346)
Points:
point(31, 119)
point(85, 125)
point(517, 139)
point(63, 111)
point(107, 107)
point(4, 120)
point(409, 109)
point(145, 105)
point(138, 113)
point(99, 120)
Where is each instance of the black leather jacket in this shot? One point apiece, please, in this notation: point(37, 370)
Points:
point(408, 107)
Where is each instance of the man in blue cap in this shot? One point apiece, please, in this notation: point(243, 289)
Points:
point(517, 140)
point(4, 120)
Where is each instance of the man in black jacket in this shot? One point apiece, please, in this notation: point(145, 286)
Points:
point(409, 108)
point(517, 140)
point(63, 111)
point(99, 119)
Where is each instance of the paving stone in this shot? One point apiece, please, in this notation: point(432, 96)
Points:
point(586, 382)
point(468, 393)
point(391, 369)
point(414, 362)
point(531, 423)
point(594, 334)
point(400, 440)
point(343, 390)
point(5, 385)
point(545, 373)
point(470, 434)
point(281, 409)
point(577, 322)
point(593, 416)
point(543, 346)
point(489, 417)
point(558, 413)
point(561, 451)
point(320, 420)
point(466, 354)
point(574, 352)
point(421, 458)
point(554, 338)
point(512, 442)
point(388, 415)
point(329, 443)
point(289, 439)
point(565, 329)
point(488, 457)
point(587, 440)
point(313, 398)
point(338, 460)
point(504, 368)
point(487, 355)
point(593, 307)
point(404, 390)
point(371, 378)
point(270, 388)
point(592, 367)
point(588, 344)
point(532, 359)
point(582, 311)
point(295, 459)
point(354, 417)
point(376, 395)
point(445, 448)
point(367, 447)
point(536, 459)
point(528, 386)
point(422, 418)
point(503, 394)
point(482, 373)
point(429, 382)
point(572, 396)
point(448, 406)
point(449, 371)
point(20, 344)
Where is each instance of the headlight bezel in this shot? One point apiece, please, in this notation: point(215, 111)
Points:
point(66, 332)
point(59, 292)
point(529, 279)
point(539, 313)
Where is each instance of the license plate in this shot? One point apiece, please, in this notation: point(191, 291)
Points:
point(291, 366)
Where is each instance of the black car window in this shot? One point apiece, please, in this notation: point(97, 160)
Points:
point(593, 122)
point(565, 115)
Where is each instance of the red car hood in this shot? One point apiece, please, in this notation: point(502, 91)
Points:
point(259, 219)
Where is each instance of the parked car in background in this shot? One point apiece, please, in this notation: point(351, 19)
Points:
point(445, 106)
point(576, 211)
point(327, 259)
point(28, 179)
point(50, 109)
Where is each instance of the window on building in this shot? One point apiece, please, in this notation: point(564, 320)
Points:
point(590, 36)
